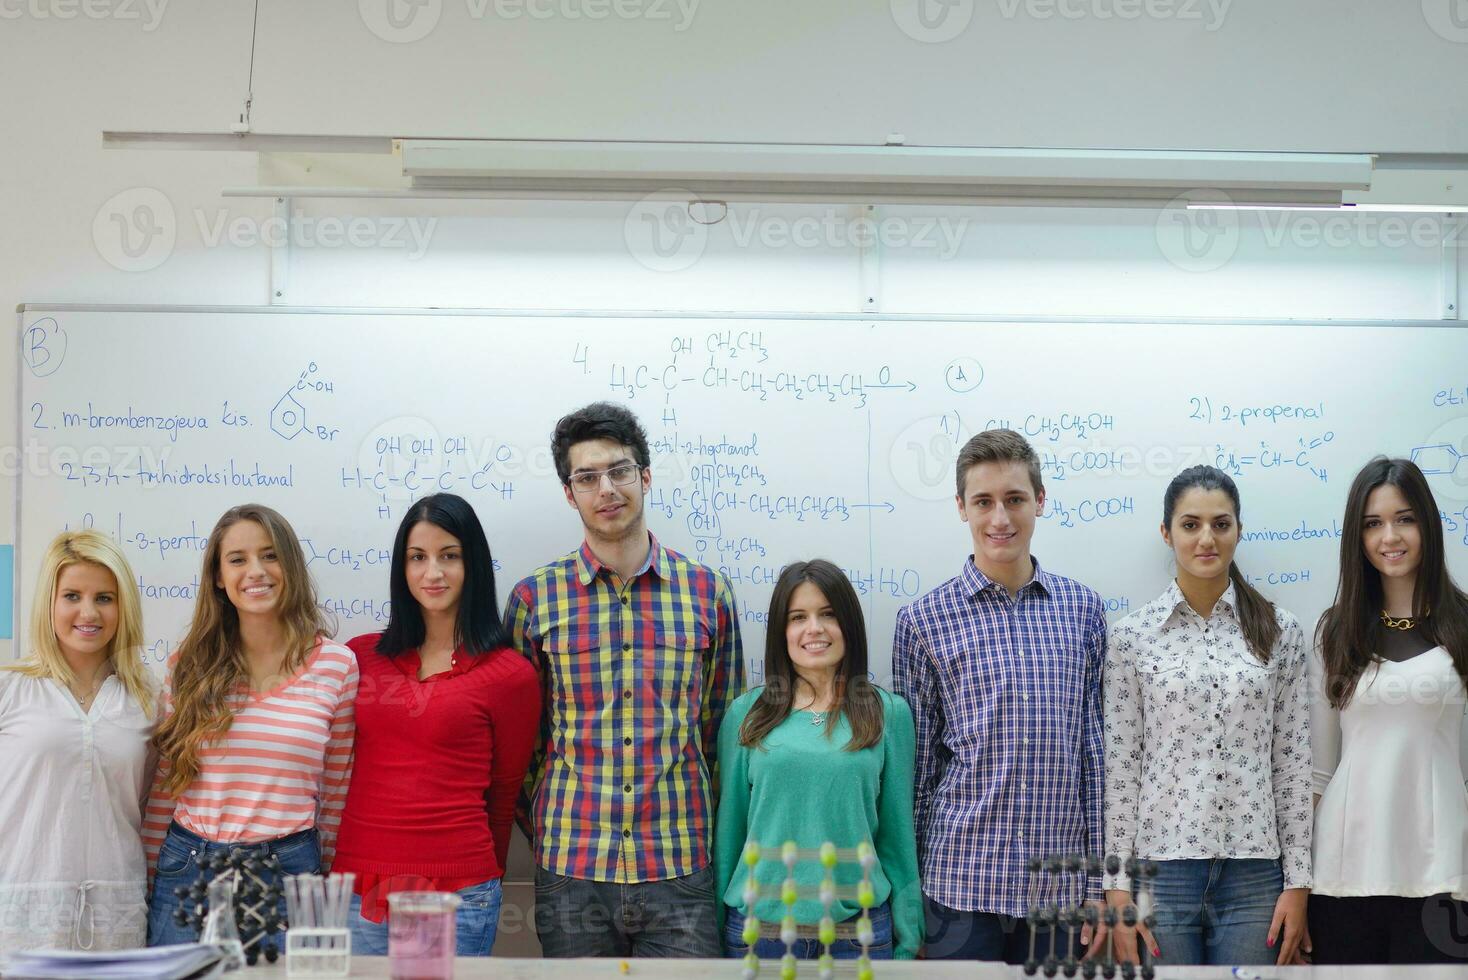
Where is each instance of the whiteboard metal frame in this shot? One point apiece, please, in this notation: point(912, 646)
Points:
point(1453, 229)
point(844, 316)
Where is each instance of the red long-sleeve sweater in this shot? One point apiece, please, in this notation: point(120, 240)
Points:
point(437, 766)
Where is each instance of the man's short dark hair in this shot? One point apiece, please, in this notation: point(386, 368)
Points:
point(599, 420)
point(998, 446)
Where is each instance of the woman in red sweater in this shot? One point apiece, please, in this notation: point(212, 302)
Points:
point(447, 715)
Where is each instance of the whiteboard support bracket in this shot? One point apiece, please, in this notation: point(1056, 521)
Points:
point(865, 218)
point(280, 255)
point(1454, 230)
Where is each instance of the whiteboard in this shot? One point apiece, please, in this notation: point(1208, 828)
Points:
point(774, 439)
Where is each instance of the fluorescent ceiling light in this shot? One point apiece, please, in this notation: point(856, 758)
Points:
point(1401, 208)
point(878, 174)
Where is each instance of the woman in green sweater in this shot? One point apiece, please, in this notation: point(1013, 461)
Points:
point(817, 755)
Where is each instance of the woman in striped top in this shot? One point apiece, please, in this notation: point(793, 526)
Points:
point(255, 740)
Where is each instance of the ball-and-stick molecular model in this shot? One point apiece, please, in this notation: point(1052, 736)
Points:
point(829, 857)
point(252, 916)
point(1064, 875)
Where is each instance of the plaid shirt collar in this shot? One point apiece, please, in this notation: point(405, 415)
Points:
point(588, 566)
point(975, 581)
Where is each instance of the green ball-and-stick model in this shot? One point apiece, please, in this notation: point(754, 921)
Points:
point(829, 858)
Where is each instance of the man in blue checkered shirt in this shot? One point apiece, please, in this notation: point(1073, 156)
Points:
point(1002, 668)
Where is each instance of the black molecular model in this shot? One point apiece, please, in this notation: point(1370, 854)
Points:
point(247, 884)
point(1059, 875)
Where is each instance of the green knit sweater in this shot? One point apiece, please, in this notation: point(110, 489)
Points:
point(804, 787)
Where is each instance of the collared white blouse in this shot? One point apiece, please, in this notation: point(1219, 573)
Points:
point(1207, 749)
point(72, 785)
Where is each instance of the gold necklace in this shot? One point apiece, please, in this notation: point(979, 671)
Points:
point(1403, 624)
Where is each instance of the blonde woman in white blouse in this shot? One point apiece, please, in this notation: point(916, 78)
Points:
point(1208, 750)
point(75, 720)
point(1391, 826)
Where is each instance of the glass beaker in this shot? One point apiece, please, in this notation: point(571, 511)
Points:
point(422, 933)
point(219, 925)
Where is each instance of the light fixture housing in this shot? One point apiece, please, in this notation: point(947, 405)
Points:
point(894, 173)
point(878, 174)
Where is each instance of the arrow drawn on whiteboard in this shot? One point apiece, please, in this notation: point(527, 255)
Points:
point(909, 385)
point(44, 347)
point(886, 505)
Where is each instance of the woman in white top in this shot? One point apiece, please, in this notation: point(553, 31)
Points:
point(1391, 821)
point(1208, 750)
point(75, 720)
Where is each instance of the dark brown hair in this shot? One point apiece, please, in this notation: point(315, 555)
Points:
point(998, 446)
point(855, 696)
point(599, 420)
point(1256, 613)
point(1348, 632)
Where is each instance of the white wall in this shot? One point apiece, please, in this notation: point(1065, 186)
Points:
point(1200, 74)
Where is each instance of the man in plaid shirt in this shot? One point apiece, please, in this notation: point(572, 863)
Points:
point(638, 654)
point(1002, 667)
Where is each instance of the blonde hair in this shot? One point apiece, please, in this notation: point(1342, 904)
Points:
point(210, 663)
point(125, 651)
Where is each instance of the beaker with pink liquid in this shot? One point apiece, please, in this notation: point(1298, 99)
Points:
point(422, 930)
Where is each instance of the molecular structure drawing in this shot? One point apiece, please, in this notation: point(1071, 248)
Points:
point(1443, 459)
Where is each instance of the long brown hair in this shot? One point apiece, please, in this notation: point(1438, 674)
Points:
point(855, 696)
point(1347, 633)
point(210, 663)
point(1256, 614)
point(46, 659)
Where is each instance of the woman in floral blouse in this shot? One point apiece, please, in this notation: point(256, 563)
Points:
point(1208, 749)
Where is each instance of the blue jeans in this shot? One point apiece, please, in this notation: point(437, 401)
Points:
point(810, 949)
point(477, 921)
point(953, 934)
point(1216, 911)
point(580, 917)
point(178, 866)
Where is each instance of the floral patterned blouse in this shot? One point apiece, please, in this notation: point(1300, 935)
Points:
point(1207, 749)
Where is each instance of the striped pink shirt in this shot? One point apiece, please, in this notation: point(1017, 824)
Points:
point(282, 768)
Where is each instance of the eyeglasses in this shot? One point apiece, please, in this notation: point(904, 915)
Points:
point(588, 481)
